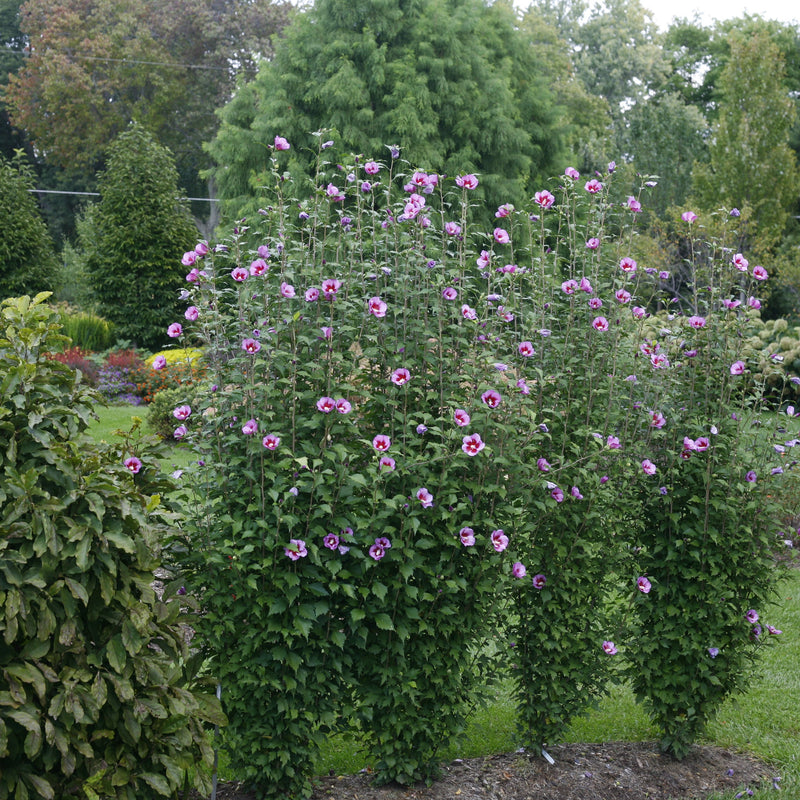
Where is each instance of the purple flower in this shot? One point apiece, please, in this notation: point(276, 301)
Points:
point(461, 417)
point(467, 536)
point(174, 330)
point(425, 497)
point(499, 540)
point(518, 570)
point(250, 427)
point(377, 552)
point(610, 648)
point(774, 631)
point(296, 549)
point(133, 464)
point(643, 585)
point(400, 376)
point(751, 476)
point(331, 541)
point(281, 144)
point(467, 181)
point(539, 581)
point(714, 652)
point(381, 443)
point(752, 616)
point(689, 216)
point(271, 441)
point(543, 465)
point(386, 462)
point(472, 444)
point(326, 405)
point(557, 495)
point(648, 467)
point(182, 412)
point(491, 398)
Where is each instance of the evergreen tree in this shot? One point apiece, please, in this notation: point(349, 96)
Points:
point(134, 239)
point(453, 82)
point(27, 260)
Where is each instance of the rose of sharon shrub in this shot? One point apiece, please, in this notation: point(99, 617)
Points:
point(407, 446)
point(95, 674)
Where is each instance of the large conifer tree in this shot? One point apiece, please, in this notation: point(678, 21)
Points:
point(451, 81)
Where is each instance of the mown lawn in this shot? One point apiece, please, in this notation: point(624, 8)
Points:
point(121, 418)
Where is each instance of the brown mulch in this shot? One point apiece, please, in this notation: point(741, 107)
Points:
point(611, 771)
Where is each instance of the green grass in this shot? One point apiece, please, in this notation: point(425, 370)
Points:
point(764, 722)
point(120, 418)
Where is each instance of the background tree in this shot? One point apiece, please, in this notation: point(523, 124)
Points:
point(27, 259)
point(664, 136)
point(584, 119)
point(135, 238)
point(751, 162)
point(453, 82)
point(12, 47)
point(96, 65)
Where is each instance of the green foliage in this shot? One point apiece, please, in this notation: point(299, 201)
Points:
point(135, 237)
point(88, 331)
point(27, 259)
point(96, 693)
point(165, 65)
point(751, 160)
point(336, 497)
point(160, 418)
point(456, 83)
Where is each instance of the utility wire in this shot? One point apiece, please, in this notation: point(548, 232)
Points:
point(97, 194)
point(159, 63)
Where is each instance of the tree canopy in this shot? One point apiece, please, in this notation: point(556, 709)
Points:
point(751, 161)
point(453, 81)
point(96, 65)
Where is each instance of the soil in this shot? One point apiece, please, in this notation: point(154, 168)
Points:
point(610, 771)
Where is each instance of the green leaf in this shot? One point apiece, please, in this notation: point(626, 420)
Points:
point(115, 653)
point(384, 622)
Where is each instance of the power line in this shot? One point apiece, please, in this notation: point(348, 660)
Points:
point(97, 194)
point(159, 63)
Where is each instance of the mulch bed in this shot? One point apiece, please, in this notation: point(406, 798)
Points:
point(611, 771)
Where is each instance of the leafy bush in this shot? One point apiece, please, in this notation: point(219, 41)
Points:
point(410, 442)
point(88, 331)
point(161, 411)
point(96, 686)
point(27, 255)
